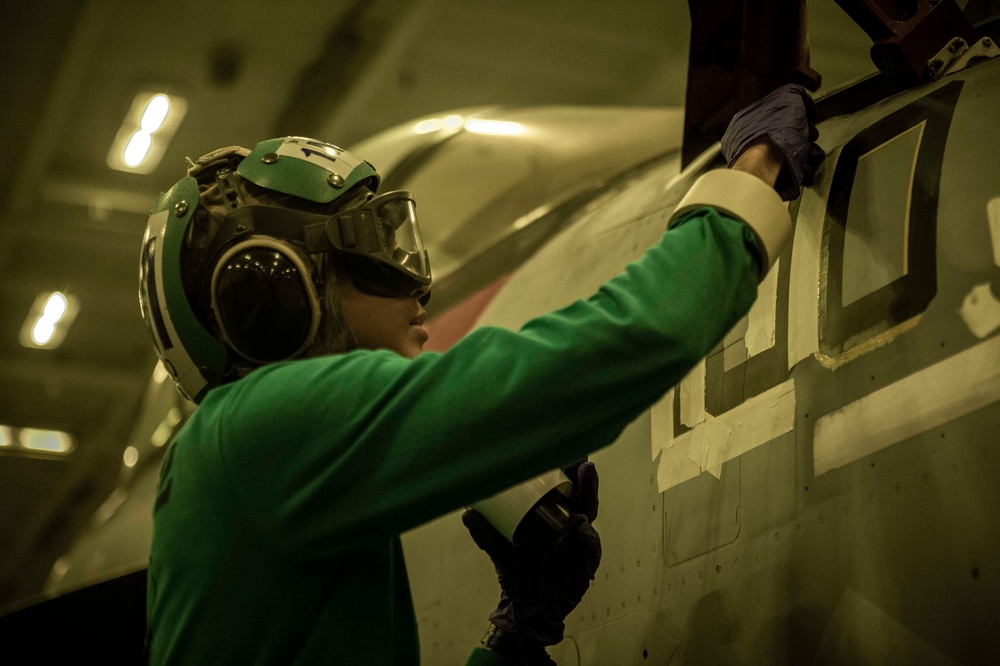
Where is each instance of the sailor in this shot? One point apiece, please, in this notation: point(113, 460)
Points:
point(285, 295)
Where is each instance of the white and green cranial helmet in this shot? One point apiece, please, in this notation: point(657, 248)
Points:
point(231, 273)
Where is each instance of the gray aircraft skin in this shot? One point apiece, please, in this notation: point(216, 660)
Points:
point(825, 487)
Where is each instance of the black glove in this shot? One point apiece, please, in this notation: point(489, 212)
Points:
point(537, 596)
point(786, 117)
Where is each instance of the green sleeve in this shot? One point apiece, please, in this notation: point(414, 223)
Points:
point(332, 453)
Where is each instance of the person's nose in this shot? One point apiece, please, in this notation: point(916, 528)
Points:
point(422, 295)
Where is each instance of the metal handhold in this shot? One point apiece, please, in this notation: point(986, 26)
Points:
point(270, 158)
point(180, 208)
point(336, 180)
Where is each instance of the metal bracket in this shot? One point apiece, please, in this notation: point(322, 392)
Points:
point(906, 36)
point(958, 55)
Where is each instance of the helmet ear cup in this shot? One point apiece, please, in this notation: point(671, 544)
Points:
point(264, 299)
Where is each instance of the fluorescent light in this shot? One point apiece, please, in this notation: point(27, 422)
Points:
point(146, 131)
point(500, 127)
point(428, 126)
point(131, 456)
point(49, 319)
point(137, 149)
point(6, 436)
point(452, 122)
point(166, 427)
point(42, 331)
point(55, 307)
point(50, 441)
point(155, 113)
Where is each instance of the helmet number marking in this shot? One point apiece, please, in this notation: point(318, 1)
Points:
point(325, 155)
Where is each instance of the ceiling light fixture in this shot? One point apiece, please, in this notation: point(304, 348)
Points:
point(47, 441)
point(48, 320)
point(146, 132)
point(500, 127)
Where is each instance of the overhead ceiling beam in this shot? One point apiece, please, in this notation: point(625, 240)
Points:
point(357, 101)
point(86, 375)
point(94, 197)
point(72, 75)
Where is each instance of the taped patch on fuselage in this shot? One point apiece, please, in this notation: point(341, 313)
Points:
point(661, 424)
point(763, 314)
point(718, 440)
point(693, 396)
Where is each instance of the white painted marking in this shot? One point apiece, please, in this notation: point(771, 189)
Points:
point(981, 311)
point(755, 422)
point(993, 215)
point(926, 399)
point(661, 424)
point(693, 396)
point(763, 314)
point(804, 282)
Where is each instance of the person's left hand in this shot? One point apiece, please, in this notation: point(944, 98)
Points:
point(786, 117)
point(538, 595)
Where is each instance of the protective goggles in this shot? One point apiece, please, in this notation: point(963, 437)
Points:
point(381, 236)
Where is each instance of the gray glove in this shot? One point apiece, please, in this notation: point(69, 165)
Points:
point(786, 116)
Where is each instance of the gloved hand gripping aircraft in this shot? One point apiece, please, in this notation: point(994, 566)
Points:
point(822, 488)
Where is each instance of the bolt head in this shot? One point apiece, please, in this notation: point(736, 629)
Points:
point(180, 208)
point(270, 158)
point(336, 180)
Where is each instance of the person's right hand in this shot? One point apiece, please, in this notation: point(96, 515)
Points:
point(785, 117)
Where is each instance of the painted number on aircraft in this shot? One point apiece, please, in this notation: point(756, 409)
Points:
point(881, 218)
point(881, 225)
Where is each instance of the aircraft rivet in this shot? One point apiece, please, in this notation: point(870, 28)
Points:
point(955, 45)
point(180, 208)
point(936, 64)
point(336, 180)
point(270, 158)
point(987, 42)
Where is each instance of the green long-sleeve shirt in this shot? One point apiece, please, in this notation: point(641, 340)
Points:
point(276, 530)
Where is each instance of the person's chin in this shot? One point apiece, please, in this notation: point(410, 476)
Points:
point(412, 345)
